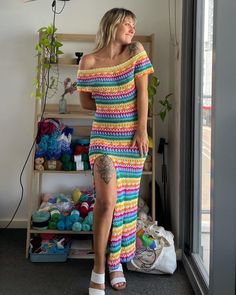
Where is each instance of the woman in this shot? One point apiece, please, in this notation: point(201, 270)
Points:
point(113, 81)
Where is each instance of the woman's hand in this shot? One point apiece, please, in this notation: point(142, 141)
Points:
point(141, 140)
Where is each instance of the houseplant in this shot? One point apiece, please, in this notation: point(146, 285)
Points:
point(165, 103)
point(47, 50)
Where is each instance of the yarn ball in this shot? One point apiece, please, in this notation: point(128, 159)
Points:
point(68, 165)
point(76, 195)
point(39, 161)
point(61, 225)
point(39, 167)
point(84, 198)
point(85, 227)
point(65, 158)
point(77, 226)
point(55, 214)
point(68, 222)
point(89, 218)
point(84, 209)
point(74, 216)
point(52, 224)
point(67, 131)
point(45, 197)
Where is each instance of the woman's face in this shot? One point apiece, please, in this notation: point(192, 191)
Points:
point(125, 31)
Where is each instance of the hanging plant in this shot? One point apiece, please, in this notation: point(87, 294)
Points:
point(48, 50)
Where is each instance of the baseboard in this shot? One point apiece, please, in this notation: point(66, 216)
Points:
point(16, 223)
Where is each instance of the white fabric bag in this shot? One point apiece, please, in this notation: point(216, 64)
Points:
point(161, 260)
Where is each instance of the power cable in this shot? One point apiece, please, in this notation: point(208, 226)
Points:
point(43, 110)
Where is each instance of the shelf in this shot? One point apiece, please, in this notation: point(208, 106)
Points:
point(55, 231)
point(81, 121)
point(77, 172)
point(67, 62)
point(74, 112)
point(64, 172)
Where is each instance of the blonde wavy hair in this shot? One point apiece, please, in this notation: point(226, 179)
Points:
point(108, 25)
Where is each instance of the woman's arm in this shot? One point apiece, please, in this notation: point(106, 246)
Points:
point(86, 100)
point(141, 137)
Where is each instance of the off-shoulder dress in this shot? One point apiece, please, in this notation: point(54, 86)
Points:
point(113, 129)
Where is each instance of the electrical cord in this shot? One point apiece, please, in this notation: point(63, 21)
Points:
point(42, 114)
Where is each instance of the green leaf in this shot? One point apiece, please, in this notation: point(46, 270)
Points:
point(50, 30)
point(163, 115)
point(59, 52)
point(46, 65)
point(52, 83)
point(43, 29)
point(161, 102)
point(58, 44)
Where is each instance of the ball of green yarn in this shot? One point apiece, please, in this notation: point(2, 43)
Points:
point(89, 218)
point(85, 227)
point(67, 166)
point(65, 158)
point(77, 226)
point(52, 224)
point(55, 214)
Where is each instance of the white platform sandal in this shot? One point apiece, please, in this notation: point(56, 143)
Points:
point(97, 278)
point(118, 280)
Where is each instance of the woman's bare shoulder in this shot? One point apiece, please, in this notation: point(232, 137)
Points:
point(87, 62)
point(135, 47)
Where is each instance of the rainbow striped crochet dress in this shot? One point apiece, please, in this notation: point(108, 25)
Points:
point(113, 129)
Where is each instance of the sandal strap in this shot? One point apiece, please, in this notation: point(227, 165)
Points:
point(120, 268)
point(93, 291)
point(118, 280)
point(98, 278)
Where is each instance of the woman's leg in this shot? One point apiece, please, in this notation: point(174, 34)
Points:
point(106, 191)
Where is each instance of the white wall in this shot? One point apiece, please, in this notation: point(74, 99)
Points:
point(19, 24)
point(174, 176)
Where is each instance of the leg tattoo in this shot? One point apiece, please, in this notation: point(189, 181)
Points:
point(105, 168)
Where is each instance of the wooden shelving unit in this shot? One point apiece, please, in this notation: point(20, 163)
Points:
point(75, 112)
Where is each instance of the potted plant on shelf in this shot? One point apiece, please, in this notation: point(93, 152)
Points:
point(165, 103)
point(48, 50)
point(69, 87)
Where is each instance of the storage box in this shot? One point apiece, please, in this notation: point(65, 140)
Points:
point(56, 257)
